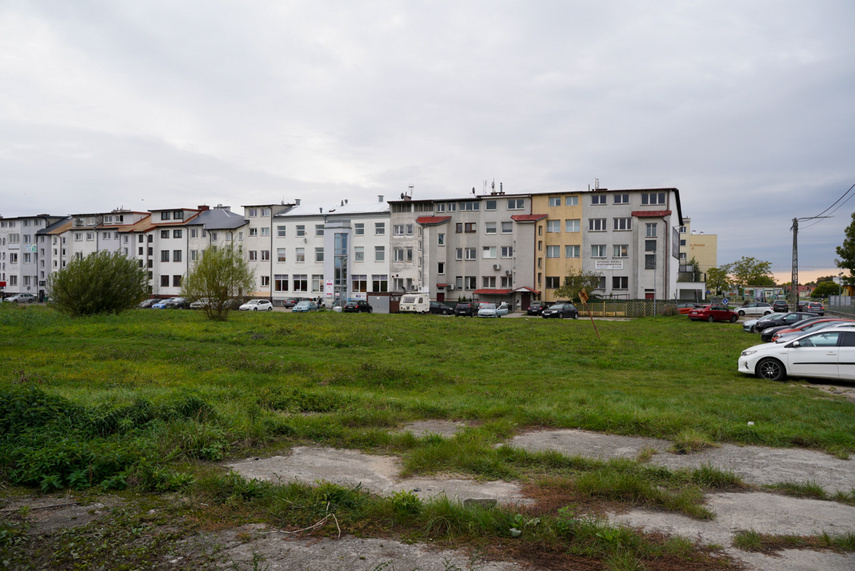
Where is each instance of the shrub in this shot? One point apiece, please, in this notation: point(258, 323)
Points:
point(103, 282)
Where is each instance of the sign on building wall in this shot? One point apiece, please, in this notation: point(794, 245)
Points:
point(609, 265)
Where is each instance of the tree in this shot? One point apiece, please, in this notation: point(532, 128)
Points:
point(751, 272)
point(717, 279)
point(219, 277)
point(847, 252)
point(102, 282)
point(574, 282)
point(825, 289)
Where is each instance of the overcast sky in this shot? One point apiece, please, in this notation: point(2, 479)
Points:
point(746, 106)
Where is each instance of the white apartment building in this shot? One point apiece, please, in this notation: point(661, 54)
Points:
point(20, 262)
point(333, 253)
point(258, 243)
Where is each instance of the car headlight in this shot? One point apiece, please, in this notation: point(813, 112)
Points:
point(748, 352)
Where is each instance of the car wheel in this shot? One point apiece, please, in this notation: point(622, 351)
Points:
point(767, 313)
point(771, 370)
point(741, 314)
point(710, 318)
point(575, 316)
point(733, 318)
point(270, 308)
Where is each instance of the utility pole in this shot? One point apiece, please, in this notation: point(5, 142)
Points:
point(794, 284)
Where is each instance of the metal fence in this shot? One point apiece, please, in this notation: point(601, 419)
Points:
point(629, 308)
point(841, 305)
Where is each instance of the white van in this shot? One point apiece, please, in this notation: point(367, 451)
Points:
point(414, 303)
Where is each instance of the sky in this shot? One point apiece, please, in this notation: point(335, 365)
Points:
point(745, 106)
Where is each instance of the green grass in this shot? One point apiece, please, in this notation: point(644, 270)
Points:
point(147, 400)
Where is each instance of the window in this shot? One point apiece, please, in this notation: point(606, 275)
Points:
point(164, 281)
point(319, 254)
point(176, 233)
point(409, 254)
point(317, 283)
point(319, 229)
point(141, 251)
point(280, 282)
point(164, 234)
point(470, 282)
point(553, 251)
point(13, 258)
point(516, 204)
point(553, 282)
point(507, 251)
point(440, 239)
point(620, 282)
point(621, 199)
point(281, 231)
point(379, 253)
point(359, 228)
point(300, 256)
point(488, 281)
point(683, 243)
point(554, 201)
point(397, 254)
point(398, 230)
point(176, 281)
point(553, 225)
point(265, 255)
point(469, 206)
point(176, 255)
point(379, 228)
point(469, 253)
point(265, 212)
point(380, 282)
point(458, 253)
point(458, 282)
point(488, 252)
point(601, 283)
point(507, 227)
point(213, 236)
point(252, 256)
point(253, 232)
point(178, 214)
point(571, 201)
point(652, 198)
point(650, 230)
point(265, 231)
point(164, 255)
point(490, 205)
point(301, 282)
point(440, 267)
point(572, 251)
point(598, 199)
point(359, 282)
point(164, 216)
point(597, 224)
point(623, 223)
point(572, 225)
point(194, 255)
point(280, 254)
point(650, 262)
point(490, 228)
point(301, 230)
point(598, 250)
point(620, 251)
point(650, 245)
point(507, 282)
point(359, 254)
point(252, 212)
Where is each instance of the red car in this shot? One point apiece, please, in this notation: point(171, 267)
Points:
point(713, 313)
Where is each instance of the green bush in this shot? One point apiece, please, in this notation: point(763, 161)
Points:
point(103, 282)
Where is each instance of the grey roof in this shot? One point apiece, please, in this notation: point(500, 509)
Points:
point(51, 227)
point(347, 209)
point(218, 219)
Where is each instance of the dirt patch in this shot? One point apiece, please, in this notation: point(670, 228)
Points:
point(444, 428)
point(49, 514)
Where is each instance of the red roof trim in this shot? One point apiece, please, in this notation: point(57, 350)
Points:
point(493, 291)
point(651, 213)
point(527, 217)
point(432, 220)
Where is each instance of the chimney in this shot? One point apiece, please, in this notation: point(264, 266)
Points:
point(204, 207)
point(297, 201)
point(380, 198)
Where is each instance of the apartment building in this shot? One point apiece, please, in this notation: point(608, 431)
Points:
point(20, 264)
point(559, 239)
point(258, 244)
point(333, 253)
point(698, 245)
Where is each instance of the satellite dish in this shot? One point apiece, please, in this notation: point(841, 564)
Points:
point(402, 196)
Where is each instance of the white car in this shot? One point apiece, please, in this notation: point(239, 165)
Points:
point(21, 298)
point(492, 310)
point(826, 354)
point(754, 308)
point(257, 305)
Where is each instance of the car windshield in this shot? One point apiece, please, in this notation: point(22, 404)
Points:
point(488, 306)
point(556, 306)
point(304, 304)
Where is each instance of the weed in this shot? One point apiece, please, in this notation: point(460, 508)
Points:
point(800, 489)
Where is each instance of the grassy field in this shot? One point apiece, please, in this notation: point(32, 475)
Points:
point(147, 400)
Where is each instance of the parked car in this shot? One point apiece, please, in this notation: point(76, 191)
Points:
point(749, 325)
point(686, 307)
point(536, 308)
point(466, 308)
point(828, 354)
point(754, 308)
point(414, 303)
point(257, 305)
point(712, 313)
point(812, 306)
point(780, 305)
point(290, 302)
point(561, 309)
point(492, 309)
point(787, 334)
point(200, 303)
point(21, 298)
point(356, 306)
point(304, 306)
point(777, 319)
point(147, 303)
point(438, 308)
